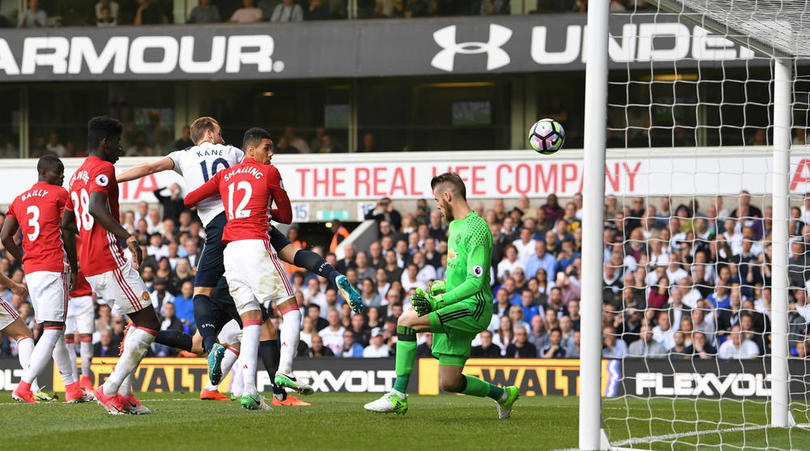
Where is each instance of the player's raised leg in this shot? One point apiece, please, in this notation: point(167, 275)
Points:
point(313, 262)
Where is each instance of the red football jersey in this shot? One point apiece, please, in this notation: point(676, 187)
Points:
point(99, 250)
point(39, 213)
point(82, 287)
point(247, 191)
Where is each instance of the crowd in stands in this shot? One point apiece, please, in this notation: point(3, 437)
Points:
point(107, 13)
point(684, 281)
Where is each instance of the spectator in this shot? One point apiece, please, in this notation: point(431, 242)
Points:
point(54, 146)
point(425, 349)
point(554, 348)
point(505, 334)
point(183, 302)
point(293, 139)
point(205, 12)
point(247, 13)
point(521, 348)
point(552, 209)
point(172, 204)
point(678, 349)
point(493, 7)
point(318, 349)
point(646, 346)
point(33, 16)
point(487, 349)
point(105, 347)
point(371, 298)
point(339, 233)
point(664, 333)
point(287, 11)
point(384, 211)
point(350, 348)
point(185, 140)
point(737, 347)
point(113, 10)
point(149, 13)
point(364, 271)
point(332, 334)
point(160, 295)
point(106, 19)
point(376, 347)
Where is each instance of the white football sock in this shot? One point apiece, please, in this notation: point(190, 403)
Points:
point(250, 356)
point(137, 343)
point(25, 347)
point(236, 380)
point(126, 387)
point(87, 356)
point(61, 357)
point(42, 353)
point(71, 350)
point(288, 336)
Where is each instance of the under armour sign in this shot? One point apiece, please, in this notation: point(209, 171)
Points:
point(496, 56)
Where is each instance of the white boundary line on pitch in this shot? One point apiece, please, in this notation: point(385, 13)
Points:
point(663, 438)
point(16, 403)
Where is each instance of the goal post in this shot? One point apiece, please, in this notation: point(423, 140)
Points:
point(593, 190)
point(774, 36)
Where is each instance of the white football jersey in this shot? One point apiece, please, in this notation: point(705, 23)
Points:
point(197, 164)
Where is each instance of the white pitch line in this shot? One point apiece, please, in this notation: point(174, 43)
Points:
point(15, 403)
point(663, 438)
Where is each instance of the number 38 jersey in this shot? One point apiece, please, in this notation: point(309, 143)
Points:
point(198, 164)
point(247, 191)
point(99, 250)
point(39, 213)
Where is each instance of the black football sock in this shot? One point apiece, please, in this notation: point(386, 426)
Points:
point(174, 338)
point(204, 319)
point(270, 354)
point(313, 262)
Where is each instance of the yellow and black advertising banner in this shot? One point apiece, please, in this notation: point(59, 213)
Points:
point(154, 374)
point(534, 377)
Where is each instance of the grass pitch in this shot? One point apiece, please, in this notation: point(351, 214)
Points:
point(338, 421)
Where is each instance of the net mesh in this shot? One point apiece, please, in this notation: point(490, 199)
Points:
point(688, 241)
point(778, 27)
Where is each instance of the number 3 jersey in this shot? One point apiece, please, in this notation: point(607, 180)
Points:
point(39, 213)
point(99, 250)
point(198, 164)
point(247, 190)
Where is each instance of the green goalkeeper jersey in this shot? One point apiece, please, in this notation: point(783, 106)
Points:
point(469, 257)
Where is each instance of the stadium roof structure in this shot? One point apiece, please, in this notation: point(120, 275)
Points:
point(777, 28)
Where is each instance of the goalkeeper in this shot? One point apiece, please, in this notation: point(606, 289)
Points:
point(455, 313)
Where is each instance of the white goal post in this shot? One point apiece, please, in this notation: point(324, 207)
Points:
point(775, 29)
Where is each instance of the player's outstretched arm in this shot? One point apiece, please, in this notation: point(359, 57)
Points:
point(207, 190)
point(100, 211)
point(142, 170)
point(10, 227)
point(69, 232)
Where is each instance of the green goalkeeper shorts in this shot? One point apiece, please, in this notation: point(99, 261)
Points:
point(454, 327)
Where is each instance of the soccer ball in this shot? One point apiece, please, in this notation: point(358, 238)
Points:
point(546, 136)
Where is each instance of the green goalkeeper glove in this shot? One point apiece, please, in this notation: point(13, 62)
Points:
point(437, 288)
point(424, 303)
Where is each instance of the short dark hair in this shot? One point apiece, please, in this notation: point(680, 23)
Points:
point(101, 127)
point(452, 179)
point(200, 126)
point(254, 136)
point(49, 163)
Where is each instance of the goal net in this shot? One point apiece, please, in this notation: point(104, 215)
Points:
point(706, 264)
